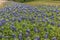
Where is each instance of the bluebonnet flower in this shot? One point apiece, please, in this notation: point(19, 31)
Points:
point(36, 30)
point(43, 20)
point(13, 36)
point(58, 25)
point(1, 24)
point(37, 38)
point(33, 18)
point(3, 21)
point(19, 19)
point(9, 8)
point(46, 35)
point(13, 19)
point(12, 27)
point(27, 34)
point(24, 11)
point(20, 36)
point(1, 36)
point(23, 18)
point(28, 30)
point(54, 38)
point(56, 11)
point(15, 14)
point(51, 17)
point(52, 23)
point(6, 17)
point(42, 16)
point(47, 19)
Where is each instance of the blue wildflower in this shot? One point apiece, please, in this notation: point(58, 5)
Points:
point(28, 30)
point(1, 24)
point(46, 35)
point(19, 19)
point(37, 38)
point(3, 21)
point(36, 30)
point(13, 36)
point(20, 36)
point(54, 38)
point(13, 27)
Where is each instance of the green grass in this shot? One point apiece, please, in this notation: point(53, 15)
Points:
point(35, 3)
point(52, 32)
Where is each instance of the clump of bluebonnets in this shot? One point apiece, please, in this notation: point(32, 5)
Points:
point(24, 22)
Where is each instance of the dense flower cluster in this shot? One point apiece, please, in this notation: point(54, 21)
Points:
point(23, 22)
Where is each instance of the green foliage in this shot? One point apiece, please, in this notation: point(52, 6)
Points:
point(21, 0)
point(32, 0)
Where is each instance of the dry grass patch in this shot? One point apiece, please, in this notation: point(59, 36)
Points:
point(2, 4)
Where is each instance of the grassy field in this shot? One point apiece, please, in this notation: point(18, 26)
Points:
point(34, 3)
